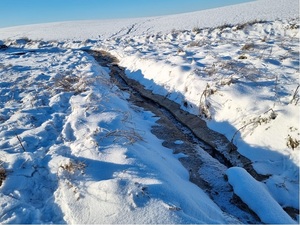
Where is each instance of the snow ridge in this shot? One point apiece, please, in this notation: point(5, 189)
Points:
point(256, 196)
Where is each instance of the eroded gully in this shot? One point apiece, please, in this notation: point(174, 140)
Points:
point(208, 153)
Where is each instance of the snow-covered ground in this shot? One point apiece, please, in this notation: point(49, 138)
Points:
point(243, 81)
point(105, 29)
point(73, 150)
point(86, 156)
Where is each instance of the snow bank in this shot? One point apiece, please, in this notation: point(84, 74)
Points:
point(241, 79)
point(256, 196)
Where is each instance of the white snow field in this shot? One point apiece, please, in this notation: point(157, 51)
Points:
point(74, 150)
point(105, 29)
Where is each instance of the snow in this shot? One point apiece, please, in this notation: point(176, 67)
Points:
point(86, 160)
point(248, 100)
point(178, 142)
point(105, 29)
point(75, 151)
point(256, 196)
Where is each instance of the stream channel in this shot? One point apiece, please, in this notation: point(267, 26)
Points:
point(208, 154)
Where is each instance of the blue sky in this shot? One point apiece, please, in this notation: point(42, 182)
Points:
point(20, 12)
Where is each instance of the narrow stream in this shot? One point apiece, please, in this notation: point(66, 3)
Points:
point(206, 165)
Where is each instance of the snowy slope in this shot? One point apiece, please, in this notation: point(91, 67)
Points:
point(75, 151)
point(103, 29)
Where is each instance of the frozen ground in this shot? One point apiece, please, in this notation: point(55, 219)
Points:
point(73, 150)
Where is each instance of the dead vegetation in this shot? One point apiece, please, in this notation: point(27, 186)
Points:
point(71, 83)
point(265, 118)
point(204, 104)
point(292, 143)
point(194, 44)
point(242, 57)
point(71, 167)
point(2, 173)
point(20, 141)
point(128, 136)
point(247, 24)
point(248, 46)
point(295, 98)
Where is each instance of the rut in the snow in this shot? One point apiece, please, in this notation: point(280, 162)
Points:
point(206, 164)
point(220, 147)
